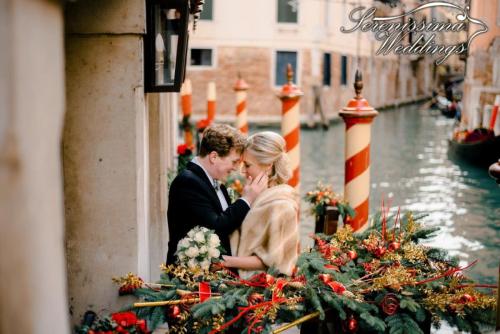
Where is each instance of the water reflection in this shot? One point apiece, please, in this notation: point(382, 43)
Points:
point(410, 165)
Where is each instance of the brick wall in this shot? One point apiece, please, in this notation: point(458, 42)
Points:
point(256, 66)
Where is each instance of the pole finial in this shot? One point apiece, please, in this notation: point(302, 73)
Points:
point(358, 84)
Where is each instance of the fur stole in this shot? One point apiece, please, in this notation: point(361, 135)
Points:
point(270, 229)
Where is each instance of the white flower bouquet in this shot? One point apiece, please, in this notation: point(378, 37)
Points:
point(199, 249)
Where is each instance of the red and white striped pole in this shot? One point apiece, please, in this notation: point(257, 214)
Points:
point(358, 116)
point(187, 108)
point(494, 113)
point(241, 88)
point(290, 125)
point(211, 97)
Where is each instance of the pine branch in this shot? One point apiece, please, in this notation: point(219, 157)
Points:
point(373, 322)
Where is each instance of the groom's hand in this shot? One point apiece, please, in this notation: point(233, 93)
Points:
point(254, 187)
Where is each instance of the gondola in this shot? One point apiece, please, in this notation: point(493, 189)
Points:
point(442, 104)
point(481, 153)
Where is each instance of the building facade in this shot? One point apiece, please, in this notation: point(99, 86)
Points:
point(482, 81)
point(307, 35)
point(85, 152)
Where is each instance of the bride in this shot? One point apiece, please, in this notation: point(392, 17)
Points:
point(269, 235)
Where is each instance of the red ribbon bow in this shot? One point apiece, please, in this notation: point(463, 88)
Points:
point(204, 291)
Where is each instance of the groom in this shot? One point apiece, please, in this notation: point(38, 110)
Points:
point(197, 197)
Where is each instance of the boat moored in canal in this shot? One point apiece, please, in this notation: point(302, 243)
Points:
point(479, 147)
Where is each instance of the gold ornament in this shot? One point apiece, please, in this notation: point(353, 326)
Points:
point(179, 325)
point(345, 234)
point(130, 279)
point(413, 252)
point(455, 300)
point(411, 226)
point(392, 256)
point(394, 278)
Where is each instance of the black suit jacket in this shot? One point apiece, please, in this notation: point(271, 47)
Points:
point(193, 201)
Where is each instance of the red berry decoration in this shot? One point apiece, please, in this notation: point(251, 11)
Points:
point(393, 246)
point(352, 254)
point(350, 325)
point(379, 251)
point(368, 267)
point(175, 311)
point(466, 298)
point(339, 261)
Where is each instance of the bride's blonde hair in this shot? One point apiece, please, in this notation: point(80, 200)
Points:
point(269, 148)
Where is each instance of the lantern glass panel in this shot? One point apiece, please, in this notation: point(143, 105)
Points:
point(165, 44)
point(167, 31)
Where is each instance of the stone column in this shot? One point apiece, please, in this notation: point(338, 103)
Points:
point(105, 151)
point(163, 140)
point(32, 268)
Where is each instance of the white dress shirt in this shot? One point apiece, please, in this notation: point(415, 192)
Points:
point(222, 199)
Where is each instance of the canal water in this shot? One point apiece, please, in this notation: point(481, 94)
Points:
point(411, 167)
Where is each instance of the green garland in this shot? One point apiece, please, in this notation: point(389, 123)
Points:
point(380, 281)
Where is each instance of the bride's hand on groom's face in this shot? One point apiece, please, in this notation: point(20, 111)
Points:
point(254, 187)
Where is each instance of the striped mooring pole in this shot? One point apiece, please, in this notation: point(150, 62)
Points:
point(241, 87)
point(358, 116)
point(290, 125)
point(211, 97)
point(494, 112)
point(187, 108)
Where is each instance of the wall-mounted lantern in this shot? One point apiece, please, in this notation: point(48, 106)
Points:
point(165, 44)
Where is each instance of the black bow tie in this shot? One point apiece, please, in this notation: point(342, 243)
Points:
point(216, 185)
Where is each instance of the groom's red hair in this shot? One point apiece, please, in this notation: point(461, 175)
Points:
point(221, 138)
